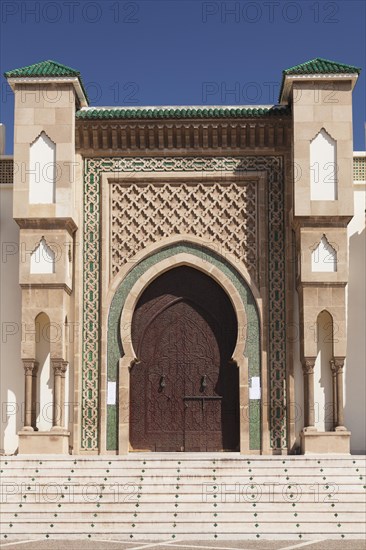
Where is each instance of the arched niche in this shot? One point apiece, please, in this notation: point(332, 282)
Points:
point(324, 257)
point(42, 259)
point(44, 390)
point(323, 389)
point(323, 167)
point(42, 170)
point(121, 354)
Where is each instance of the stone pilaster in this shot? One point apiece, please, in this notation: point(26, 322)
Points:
point(30, 371)
point(337, 367)
point(59, 367)
point(308, 370)
point(334, 392)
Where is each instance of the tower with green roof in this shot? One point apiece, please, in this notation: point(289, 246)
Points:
point(104, 195)
point(47, 96)
point(320, 95)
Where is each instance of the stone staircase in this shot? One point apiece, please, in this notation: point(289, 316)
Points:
point(181, 496)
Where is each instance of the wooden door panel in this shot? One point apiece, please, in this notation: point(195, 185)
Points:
point(184, 331)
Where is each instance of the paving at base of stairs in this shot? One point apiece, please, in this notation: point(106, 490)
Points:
point(223, 501)
point(103, 544)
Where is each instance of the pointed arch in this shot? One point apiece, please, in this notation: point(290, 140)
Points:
point(324, 257)
point(42, 259)
point(44, 380)
point(42, 170)
point(323, 167)
point(323, 390)
point(121, 355)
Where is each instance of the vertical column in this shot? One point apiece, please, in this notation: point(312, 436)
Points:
point(338, 364)
point(335, 401)
point(30, 370)
point(63, 376)
point(308, 370)
point(59, 367)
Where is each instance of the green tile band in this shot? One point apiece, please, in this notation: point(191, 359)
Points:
point(94, 167)
point(252, 347)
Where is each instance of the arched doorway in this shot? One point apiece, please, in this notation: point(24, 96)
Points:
point(184, 389)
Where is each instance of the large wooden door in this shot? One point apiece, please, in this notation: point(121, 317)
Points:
point(184, 393)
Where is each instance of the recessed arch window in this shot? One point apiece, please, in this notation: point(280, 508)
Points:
point(323, 167)
point(324, 257)
point(42, 259)
point(44, 411)
point(42, 170)
point(323, 390)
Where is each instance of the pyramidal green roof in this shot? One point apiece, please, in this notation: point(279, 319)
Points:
point(47, 68)
point(318, 66)
point(321, 66)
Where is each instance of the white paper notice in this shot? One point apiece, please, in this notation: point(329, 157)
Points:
point(111, 399)
point(255, 388)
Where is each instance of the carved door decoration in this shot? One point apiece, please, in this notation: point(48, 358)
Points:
point(184, 393)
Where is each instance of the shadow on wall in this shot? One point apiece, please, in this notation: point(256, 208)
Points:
point(355, 387)
point(11, 369)
point(323, 390)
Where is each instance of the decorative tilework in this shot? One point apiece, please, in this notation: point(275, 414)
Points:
point(273, 165)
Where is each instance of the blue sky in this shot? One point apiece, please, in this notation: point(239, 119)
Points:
point(151, 52)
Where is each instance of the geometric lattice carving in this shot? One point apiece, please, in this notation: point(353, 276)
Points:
point(277, 311)
point(225, 214)
point(273, 166)
point(6, 171)
point(359, 168)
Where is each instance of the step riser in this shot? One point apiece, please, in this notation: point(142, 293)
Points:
point(226, 516)
point(152, 497)
point(181, 528)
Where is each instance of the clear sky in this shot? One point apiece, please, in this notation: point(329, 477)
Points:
point(152, 52)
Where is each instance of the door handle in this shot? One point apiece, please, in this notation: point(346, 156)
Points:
point(203, 383)
point(162, 383)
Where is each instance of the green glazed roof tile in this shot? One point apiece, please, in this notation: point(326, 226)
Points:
point(322, 66)
point(318, 65)
point(47, 68)
point(113, 113)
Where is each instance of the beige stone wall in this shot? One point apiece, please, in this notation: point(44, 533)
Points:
point(355, 366)
point(309, 240)
point(61, 244)
point(318, 105)
point(44, 108)
point(11, 369)
point(50, 108)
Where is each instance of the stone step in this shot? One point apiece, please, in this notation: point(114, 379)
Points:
point(118, 462)
point(140, 497)
point(203, 486)
point(172, 514)
point(178, 472)
point(194, 507)
point(172, 479)
point(209, 537)
point(182, 459)
point(186, 497)
point(163, 526)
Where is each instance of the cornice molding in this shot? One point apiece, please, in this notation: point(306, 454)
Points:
point(47, 224)
point(108, 137)
point(291, 78)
